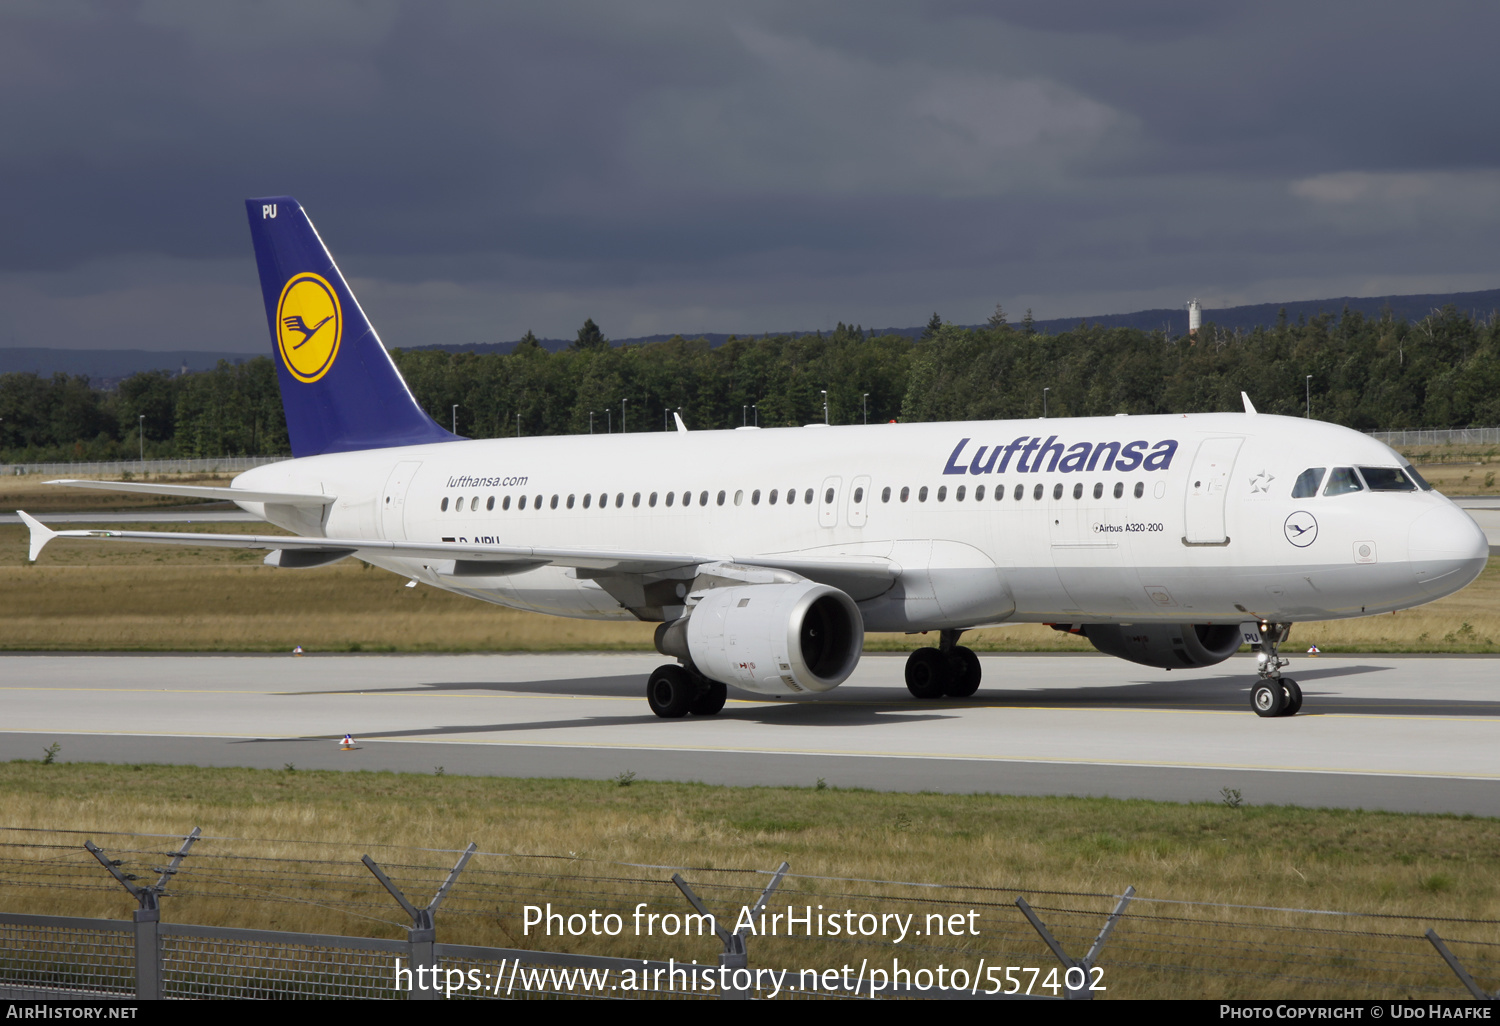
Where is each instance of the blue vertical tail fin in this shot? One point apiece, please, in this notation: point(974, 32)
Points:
point(339, 387)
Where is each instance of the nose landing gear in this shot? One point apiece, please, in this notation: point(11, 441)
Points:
point(1273, 695)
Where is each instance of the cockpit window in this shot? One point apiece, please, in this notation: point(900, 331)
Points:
point(1342, 481)
point(1307, 483)
point(1386, 479)
point(1411, 472)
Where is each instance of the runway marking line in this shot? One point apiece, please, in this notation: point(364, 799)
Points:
point(831, 703)
point(830, 753)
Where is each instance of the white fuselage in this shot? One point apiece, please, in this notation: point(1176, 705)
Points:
point(1204, 530)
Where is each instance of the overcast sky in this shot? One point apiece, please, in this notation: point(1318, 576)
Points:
point(479, 169)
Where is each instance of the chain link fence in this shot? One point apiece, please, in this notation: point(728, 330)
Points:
point(1439, 436)
point(518, 925)
point(144, 468)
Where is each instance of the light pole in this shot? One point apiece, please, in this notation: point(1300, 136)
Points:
point(455, 418)
point(518, 425)
point(825, 404)
point(1044, 401)
point(1309, 397)
point(744, 415)
point(609, 421)
point(666, 411)
point(141, 432)
point(591, 422)
point(755, 408)
point(864, 407)
point(623, 428)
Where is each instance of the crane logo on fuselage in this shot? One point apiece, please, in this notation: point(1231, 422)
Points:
point(1031, 453)
point(1301, 529)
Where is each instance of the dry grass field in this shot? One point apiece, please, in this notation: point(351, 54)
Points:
point(1063, 853)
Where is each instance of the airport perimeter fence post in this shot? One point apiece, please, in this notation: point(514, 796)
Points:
point(1081, 992)
point(1459, 970)
point(148, 983)
point(734, 955)
point(421, 936)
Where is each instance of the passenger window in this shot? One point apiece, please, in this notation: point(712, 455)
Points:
point(474, 504)
point(635, 501)
point(652, 501)
point(942, 492)
point(521, 502)
point(1119, 489)
point(1057, 491)
point(570, 502)
point(1140, 489)
point(687, 498)
point(755, 497)
point(444, 507)
point(1078, 490)
point(958, 495)
point(885, 494)
point(807, 497)
point(922, 494)
point(1342, 481)
point(703, 498)
point(828, 496)
point(489, 504)
point(739, 496)
point(537, 502)
point(603, 500)
point(554, 502)
point(619, 500)
point(905, 493)
point(979, 494)
point(505, 502)
point(791, 496)
point(721, 498)
point(1307, 483)
point(772, 497)
point(588, 499)
point(1099, 490)
point(1386, 479)
point(1021, 492)
point(670, 497)
point(859, 494)
point(1036, 493)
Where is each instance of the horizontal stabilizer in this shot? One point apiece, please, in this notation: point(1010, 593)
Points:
point(203, 492)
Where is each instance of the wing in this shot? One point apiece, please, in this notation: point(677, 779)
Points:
point(847, 573)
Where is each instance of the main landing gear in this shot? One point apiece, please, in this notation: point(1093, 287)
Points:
point(1273, 694)
point(674, 691)
point(948, 671)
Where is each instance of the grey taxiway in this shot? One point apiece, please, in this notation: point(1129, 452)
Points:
point(1379, 732)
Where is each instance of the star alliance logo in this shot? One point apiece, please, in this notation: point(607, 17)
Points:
point(1261, 482)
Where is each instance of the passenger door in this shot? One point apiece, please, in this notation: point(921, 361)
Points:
point(1207, 488)
point(393, 502)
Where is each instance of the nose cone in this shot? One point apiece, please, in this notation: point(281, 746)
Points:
point(1447, 549)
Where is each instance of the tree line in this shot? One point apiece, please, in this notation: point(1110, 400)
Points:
point(1366, 373)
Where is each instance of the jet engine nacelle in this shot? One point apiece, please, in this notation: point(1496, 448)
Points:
point(1169, 646)
point(775, 639)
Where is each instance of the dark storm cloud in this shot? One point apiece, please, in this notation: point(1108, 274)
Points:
point(482, 168)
